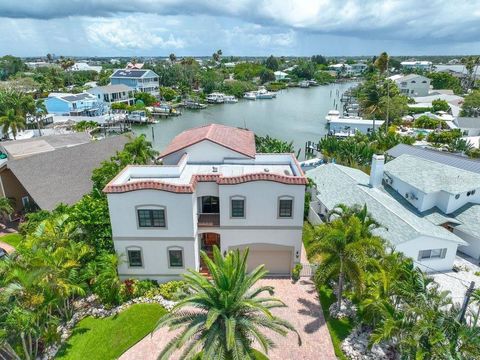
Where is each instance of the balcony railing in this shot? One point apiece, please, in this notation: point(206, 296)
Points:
point(208, 220)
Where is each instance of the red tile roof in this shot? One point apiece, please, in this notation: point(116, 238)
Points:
point(190, 188)
point(238, 140)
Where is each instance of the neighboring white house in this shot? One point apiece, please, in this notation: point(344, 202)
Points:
point(138, 80)
point(358, 68)
point(280, 75)
point(433, 248)
point(417, 65)
point(346, 126)
point(445, 194)
point(412, 84)
point(83, 66)
point(212, 189)
point(341, 68)
point(470, 126)
point(113, 94)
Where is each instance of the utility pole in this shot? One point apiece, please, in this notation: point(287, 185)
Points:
point(466, 300)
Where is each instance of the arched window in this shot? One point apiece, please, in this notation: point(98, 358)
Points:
point(237, 207)
point(175, 257)
point(134, 256)
point(151, 216)
point(285, 207)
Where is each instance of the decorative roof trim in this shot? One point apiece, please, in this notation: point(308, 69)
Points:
point(190, 188)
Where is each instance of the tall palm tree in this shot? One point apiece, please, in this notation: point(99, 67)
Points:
point(344, 245)
point(224, 315)
point(12, 122)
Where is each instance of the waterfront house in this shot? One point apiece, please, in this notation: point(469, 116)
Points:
point(83, 104)
point(412, 84)
point(417, 65)
point(45, 172)
point(280, 75)
point(138, 80)
point(358, 68)
point(211, 189)
point(111, 94)
point(341, 68)
point(432, 247)
point(348, 126)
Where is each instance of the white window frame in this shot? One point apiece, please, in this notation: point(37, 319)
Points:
point(435, 254)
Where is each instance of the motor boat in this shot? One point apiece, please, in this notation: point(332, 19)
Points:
point(216, 98)
point(304, 84)
point(250, 95)
point(265, 94)
point(230, 99)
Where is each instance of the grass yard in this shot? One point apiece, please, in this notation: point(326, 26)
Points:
point(108, 338)
point(338, 328)
point(12, 239)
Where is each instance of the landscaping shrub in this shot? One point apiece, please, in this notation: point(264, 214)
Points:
point(168, 290)
point(133, 288)
point(296, 272)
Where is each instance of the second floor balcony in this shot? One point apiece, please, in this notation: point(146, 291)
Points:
point(208, 220)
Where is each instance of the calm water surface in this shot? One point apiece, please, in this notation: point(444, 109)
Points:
point(296, 115)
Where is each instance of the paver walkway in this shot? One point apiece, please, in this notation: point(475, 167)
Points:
point(303, 312)
point(7, 247)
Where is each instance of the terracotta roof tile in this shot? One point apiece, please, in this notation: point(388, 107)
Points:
point(238, 140)
point(190, 188)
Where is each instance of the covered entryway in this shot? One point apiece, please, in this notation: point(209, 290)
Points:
point(276, 258)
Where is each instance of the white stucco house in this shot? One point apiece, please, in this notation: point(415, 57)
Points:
point(211, 189)
point(432, 247)
point(412, 85)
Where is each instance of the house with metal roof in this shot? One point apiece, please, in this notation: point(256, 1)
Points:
point(457, 161)
point(433, 248)
point(58, 175)
point(83, 104)
point(111, 94)
point(141, 80)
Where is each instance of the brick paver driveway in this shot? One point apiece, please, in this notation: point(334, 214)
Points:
point(303, 312)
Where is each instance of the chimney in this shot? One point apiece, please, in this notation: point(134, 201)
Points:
point(376, 172)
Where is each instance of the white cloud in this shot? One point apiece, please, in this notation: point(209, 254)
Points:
point(130, 33)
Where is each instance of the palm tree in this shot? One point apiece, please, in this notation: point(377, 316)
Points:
point(381, 63)
point(39, 112)
point(12, 122)
point(344, 245)
point(140, 150)
point(223, 316)
point(172, 58)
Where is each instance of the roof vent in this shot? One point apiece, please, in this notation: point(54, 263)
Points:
point(286, 172)
point(214, 169)
point(266, 170)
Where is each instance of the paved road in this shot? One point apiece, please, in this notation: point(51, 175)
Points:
point(303, 312)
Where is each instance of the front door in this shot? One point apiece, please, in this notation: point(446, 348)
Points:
point(207, 242)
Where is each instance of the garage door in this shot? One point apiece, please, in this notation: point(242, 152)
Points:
point(277, 259)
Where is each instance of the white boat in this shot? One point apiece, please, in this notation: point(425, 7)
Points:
point(304, 84)
point(250, 95)
point(312, 83)
point(215, 98)
point(265, 94)
point(230, 99)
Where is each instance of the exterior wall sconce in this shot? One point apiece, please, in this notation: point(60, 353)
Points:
point(297, 254)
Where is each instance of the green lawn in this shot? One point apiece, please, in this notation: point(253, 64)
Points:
point(338, 328)
point(12, 239)
point(108, 338)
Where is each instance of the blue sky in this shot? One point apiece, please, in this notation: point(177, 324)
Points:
point(238, 27)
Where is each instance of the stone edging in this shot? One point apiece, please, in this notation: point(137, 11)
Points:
point(89, 307)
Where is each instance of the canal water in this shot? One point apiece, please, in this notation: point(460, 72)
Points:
point(297, 115)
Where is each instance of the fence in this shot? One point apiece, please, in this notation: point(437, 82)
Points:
point(308, 269)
